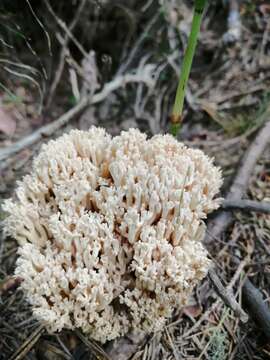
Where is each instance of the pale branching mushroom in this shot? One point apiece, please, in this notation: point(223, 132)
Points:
point(110, 230)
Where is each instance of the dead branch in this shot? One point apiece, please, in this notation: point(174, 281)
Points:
point(46, 130)
point(144, 74)
point(246, 205)
point(257, 307)
point(227, 296)
point(222, 221)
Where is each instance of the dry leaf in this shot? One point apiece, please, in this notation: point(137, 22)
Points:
point(7, 123)
point(192, 311)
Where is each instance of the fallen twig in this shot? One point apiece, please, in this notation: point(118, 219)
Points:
point(28, 344)
point(246, 205)
point(227, 296)
point(144, 75)
point(257, 307)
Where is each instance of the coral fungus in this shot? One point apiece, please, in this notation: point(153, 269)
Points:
point(110, 230)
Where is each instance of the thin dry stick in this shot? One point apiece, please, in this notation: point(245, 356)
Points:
point(41, 25)
point(247, 205)
point(175, 352)
point(227, 296)
point(66, 29)
point(143, 75)
point(61, 64)
point(28, 344)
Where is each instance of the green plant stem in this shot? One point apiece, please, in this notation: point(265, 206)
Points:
point(186, 66)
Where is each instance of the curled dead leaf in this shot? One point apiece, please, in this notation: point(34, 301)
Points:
point(192, 311)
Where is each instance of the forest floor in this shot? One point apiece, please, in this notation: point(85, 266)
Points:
point(130, 81)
